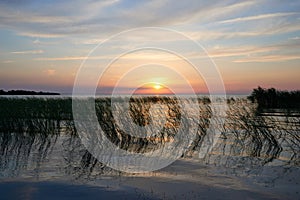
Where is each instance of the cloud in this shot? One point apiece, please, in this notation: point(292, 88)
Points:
point(257, 17)
point(220, 10)
point(100, 17)
point(214, 52)
point(69, 58)
point(268, 58)
point(286, 45)
point(287, 50)
point(127, 57)
point(38, 34)
point(7, 61)
point(39, 42)
point(89, 41)
point(240, 51)
point(50, 72)
point(252, 32)
point(294, 38)
point(28, 52)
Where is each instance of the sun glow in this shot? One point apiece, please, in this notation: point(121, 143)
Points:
point(157, 86)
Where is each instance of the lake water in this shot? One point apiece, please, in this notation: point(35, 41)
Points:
point(256, 155)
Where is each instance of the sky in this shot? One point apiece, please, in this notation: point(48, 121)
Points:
point(43, 44)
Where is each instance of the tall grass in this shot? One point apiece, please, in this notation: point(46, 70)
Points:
point(30, 123)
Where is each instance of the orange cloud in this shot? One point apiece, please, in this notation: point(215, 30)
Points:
point(50, 72)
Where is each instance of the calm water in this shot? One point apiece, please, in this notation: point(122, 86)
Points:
point(257, 155)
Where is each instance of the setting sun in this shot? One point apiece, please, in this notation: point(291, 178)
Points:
point(157, 86)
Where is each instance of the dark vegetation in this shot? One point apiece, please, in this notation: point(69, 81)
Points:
point(33, 108)
point(272, 98)
point(34, 115)
point(24, 92)
point(30, 125)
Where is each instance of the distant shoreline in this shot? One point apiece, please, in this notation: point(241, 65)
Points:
point(273, 98)
point(25, 92)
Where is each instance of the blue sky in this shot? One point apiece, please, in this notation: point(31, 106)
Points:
point(43, 43)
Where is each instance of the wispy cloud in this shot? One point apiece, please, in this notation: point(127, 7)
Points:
point(268, 58)
point(258, 53)
point(246, 51)
point(7, 61)
point(258, 17)
point(89, 41)
point(28, 52)
point(39, 34)
point(50, 72)
point(252, 32)
point(40, 42)
point(56, 20)
point(240, 51)
point(294, 38)
point(91, 18)
point(69, 58)
point(215, 11)
point(138, 56)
